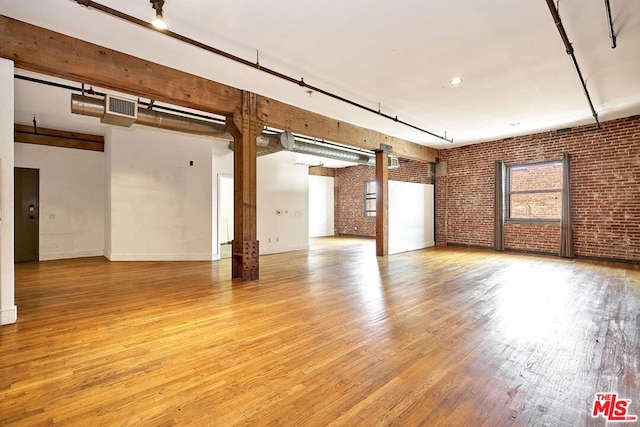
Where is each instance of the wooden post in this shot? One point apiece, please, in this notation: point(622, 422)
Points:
point(382, 203)
point(245, 127)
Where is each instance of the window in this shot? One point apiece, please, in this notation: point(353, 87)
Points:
point(534, 191)
point(370, 198)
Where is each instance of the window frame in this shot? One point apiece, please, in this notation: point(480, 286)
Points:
point(368, 213)
point(508, 192)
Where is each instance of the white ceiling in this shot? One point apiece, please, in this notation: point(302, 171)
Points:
point(399, 55)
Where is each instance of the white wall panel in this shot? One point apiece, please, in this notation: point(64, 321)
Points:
point(411, 216)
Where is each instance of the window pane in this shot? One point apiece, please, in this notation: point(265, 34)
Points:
point(536, 205)
point(536, 177)
point(370, 205)
point(370, 187)
point(370, 198)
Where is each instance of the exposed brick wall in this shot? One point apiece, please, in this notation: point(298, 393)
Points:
point(411, 171)
point(532, 237)
point(605, 191)
point(349, 197)
point(441, 208)
point(349, 194)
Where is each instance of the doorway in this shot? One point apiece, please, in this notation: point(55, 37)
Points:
point(26, 210)
point(225, 214)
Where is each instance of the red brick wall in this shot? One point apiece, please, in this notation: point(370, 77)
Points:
point(349, 194)
point(349, 198)
point(605, 191)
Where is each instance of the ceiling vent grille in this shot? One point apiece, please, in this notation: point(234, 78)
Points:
point(119, 111)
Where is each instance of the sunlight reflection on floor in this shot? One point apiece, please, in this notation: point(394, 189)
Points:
point(532, 298)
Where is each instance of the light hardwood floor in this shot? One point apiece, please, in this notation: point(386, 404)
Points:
point(332, 336)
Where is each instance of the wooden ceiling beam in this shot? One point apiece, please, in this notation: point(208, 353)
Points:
point(58, 138)
point(322, 171)
point(44, 51)
point(297, 120)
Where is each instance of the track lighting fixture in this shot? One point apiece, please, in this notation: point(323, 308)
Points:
point(158, 21)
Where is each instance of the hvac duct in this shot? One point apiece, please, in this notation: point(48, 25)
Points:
point(266, 143)
point(91, 106)
point(297, 146)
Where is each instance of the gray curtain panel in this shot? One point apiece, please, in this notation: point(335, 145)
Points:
point(498, 230)
point(566, 232)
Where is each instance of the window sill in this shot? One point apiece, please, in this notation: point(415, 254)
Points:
point(533, 221)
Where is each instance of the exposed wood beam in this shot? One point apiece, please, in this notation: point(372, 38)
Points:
point(294, 119)
point(322, 171)
point(245, 128)
point(58, 138)
point(382, 203)
point(44, 51)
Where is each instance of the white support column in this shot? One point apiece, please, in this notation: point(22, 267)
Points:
point(8, 309)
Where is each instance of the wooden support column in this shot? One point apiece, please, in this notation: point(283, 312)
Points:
point(245, 127)
point(382, 203)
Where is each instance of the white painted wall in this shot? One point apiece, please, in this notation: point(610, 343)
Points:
point(321, 206)
point(71, 199)
point(225, 208)
point(411, 216)
point(107, 194)
point(8, 309)
point(222, 166)
point(283, 187)
point(161, 207)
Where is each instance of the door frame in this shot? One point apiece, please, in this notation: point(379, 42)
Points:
point(37, 213)
point(229, 233)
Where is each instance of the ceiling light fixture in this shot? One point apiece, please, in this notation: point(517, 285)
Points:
point(158, 21)
point(157, 4)
point(456, 81)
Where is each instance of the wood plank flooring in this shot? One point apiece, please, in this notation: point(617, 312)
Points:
point(332, 336)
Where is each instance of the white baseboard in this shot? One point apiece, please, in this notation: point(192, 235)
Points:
point(282, 249)
point(68, 255)
point(9, 315)
point(160, 257)
point(423, 245)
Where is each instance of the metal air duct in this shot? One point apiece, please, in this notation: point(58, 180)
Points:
point(92, 106)
point(265, 143)
point(297, 146)
point(268, 143)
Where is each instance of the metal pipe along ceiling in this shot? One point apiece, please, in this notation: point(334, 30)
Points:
point(133, 20)
point(569, 48)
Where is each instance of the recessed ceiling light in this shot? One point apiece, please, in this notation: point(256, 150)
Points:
point(456, 81)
